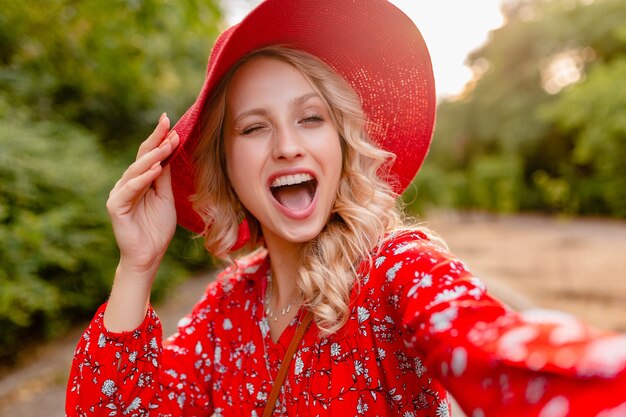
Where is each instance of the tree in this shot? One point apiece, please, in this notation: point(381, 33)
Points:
point(110, 66)
point(550, 57)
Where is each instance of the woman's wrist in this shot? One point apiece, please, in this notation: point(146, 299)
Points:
point(130, 296)
point(139, 269)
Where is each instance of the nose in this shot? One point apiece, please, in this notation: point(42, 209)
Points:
point(287, 144)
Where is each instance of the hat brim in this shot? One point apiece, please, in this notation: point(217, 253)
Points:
point(373, 45)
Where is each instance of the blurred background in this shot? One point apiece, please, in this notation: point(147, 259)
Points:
point(525, 178)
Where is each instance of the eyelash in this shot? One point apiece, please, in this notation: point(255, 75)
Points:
point(251, 129)
point(312, 118)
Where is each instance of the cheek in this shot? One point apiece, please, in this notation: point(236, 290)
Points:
point(241, 166)
point(329, 149)
point(337, 152)
point(233, 164)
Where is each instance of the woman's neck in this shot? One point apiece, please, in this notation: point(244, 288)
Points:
point(285, 257)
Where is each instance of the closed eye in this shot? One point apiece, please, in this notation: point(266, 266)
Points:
point(251, 129)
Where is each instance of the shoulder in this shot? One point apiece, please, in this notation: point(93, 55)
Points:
point(413, 272)
point(408, 245)
point(407, 255)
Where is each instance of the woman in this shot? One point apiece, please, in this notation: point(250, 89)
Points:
point(289, 151)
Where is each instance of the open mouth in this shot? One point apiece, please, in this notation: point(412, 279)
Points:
point(294, 192)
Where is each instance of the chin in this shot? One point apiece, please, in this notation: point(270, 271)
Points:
point(302, 235)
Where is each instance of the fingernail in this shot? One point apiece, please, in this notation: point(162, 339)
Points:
point(164, 115)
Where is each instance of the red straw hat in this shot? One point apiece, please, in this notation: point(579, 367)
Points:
point(371, 43)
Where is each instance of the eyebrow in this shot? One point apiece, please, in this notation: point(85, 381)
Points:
point(303, 98)
point(264, 112)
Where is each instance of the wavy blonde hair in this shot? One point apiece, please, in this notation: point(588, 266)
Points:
point(365, 211)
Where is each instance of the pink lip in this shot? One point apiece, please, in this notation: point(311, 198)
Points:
point(293, 214)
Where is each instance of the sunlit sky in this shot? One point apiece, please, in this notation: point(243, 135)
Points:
point(451, 29)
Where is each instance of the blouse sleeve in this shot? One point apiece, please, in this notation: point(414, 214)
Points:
point(496, 361)
point(136, 373)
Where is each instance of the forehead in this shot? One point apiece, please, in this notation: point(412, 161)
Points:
point(264, 79)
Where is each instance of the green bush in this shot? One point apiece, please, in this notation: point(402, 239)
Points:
point(436, 187)
point(55, 243)
point(94, 75)
point(593, 116)
point(57, 252)
point(495, 183)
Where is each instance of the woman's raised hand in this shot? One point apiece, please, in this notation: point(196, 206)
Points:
point(141, 208)
point(141, 204)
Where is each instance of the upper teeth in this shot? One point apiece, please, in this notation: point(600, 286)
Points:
point(291, 179)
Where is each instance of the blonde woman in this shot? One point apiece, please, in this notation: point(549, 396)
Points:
point(313, 117)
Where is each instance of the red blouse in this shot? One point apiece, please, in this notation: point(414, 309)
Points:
point(420, 324)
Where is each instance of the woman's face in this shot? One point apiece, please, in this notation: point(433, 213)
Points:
point(283, 153)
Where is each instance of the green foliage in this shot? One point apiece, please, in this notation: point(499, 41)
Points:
point(111, 66)
point(593, 116)
point(494, 182)
point(57, 251)
point(86, 82)
point(542, 127)
point(55, 246)
point(491, 183)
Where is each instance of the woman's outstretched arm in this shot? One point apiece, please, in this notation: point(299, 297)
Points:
point(496, 361)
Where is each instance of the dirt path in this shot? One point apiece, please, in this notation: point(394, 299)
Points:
point(578, 266)
point(573, 265)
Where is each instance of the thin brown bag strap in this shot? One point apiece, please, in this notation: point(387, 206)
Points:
point(284, 366)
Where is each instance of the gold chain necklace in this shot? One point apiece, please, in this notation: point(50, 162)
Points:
point(271, 315)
